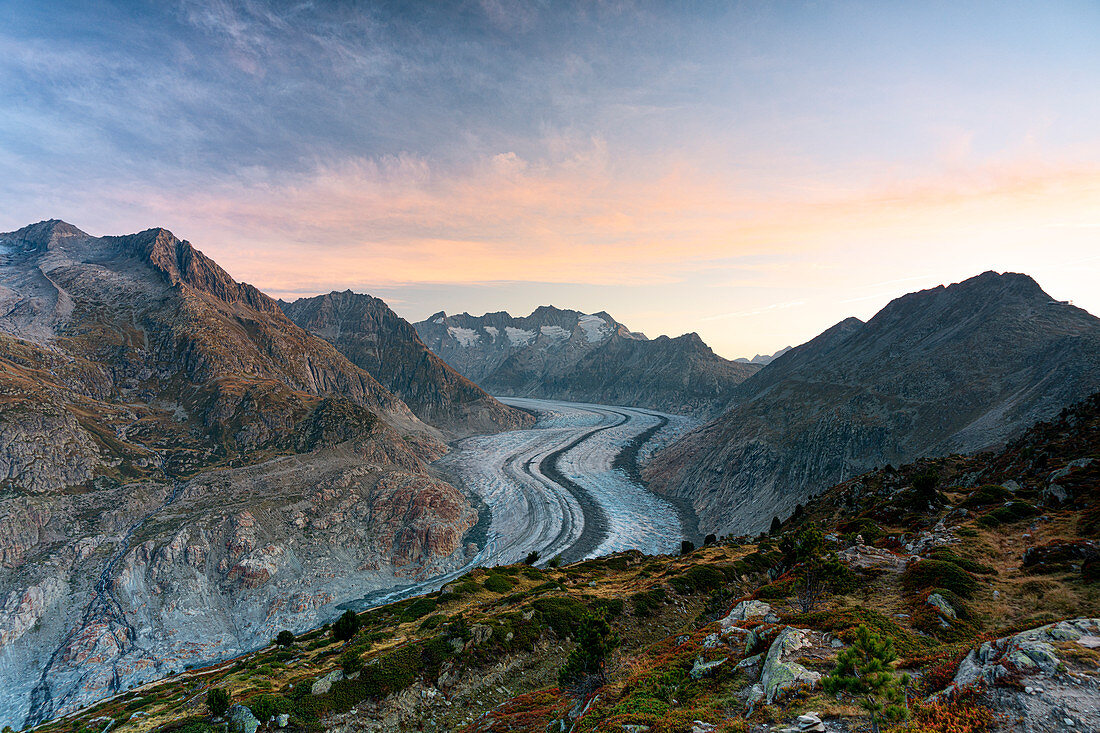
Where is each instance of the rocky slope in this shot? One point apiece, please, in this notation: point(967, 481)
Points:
point(567, 355)
point(373, 337)
point(980, 580)
point(951, 369)
point(183, 470)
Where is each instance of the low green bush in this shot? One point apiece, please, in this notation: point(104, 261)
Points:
point(698, 579)
point(986, 495)
point(560, 613)
point(498, 583)
point(647, 602)
point(932, 574)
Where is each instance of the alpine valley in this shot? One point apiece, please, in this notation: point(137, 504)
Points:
point(491, 523)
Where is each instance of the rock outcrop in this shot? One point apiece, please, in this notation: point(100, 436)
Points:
point(567, 355)
point(373, 337)
point(1038, 679)
point(947, 370)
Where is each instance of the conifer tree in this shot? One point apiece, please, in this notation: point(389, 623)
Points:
point(864, 671)
point(585, 664)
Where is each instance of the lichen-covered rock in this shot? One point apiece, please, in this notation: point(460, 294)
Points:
point(241, 720)
point(1046, 684)
point(744, 611)
point(323, 684)
point(702, 668)
point(780, 672)
point(940, 603)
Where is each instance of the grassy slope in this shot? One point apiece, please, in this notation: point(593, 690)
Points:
point(662, 608)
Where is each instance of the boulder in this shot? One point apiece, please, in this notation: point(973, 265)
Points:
point(322, 685)
point(780, 673)
point(701, 669)
point(241, 720)
point(745, 610)
point(865, 557)
point(281, 720)
point(940, 603)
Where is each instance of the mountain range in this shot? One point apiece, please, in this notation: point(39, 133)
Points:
point(954, 369)
point(373, 337)
point(569, 355)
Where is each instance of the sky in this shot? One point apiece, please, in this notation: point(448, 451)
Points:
point(751, 171)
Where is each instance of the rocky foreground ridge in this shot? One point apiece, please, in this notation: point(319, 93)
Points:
point(373, 337)
point(568, 355)
point(952, 369)
point(183, 470)
point(980, 571)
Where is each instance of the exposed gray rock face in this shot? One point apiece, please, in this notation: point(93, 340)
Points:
point(780, 672)
point(184, 471)
point(373, 337)
point(567, 355)
point(946, 370)
point(1049, 686)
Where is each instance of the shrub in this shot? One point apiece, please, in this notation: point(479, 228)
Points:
point(266, 707)
point(864, 670)
point(351, 662)
point(964, 714)
point(987, 495)
point(1014, 511)
point(687, 547)
point(285, 638)
point(595, 641)
point(924, 488)
point(606, 607)
point(345, 626)
point(697, 579)
point(217, 701)
point(555, 562)
point(418, 608)
point(498, 583)
point(802, 545)
point(646, 602)
point(973, 566)
point(561, 613)
point(932, 574)
point(531, 559)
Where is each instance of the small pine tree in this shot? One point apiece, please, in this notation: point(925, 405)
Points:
point(531, 559)
point(805, 545)
point(345, 626)
point(864, 671)
point(776, 525)
point(555, 562)
point(585, 664)
point(686, 547)
point(710, 539)
point(285, 638)
point(351, 662)
point(217, 701)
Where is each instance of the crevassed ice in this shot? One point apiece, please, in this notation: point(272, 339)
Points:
point(464, 336)
point(595, 328)
point(556, 332)
point(519, 336)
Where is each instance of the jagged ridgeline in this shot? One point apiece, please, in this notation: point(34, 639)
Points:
point(186, 471)
point(974, 577)
point(568, 355)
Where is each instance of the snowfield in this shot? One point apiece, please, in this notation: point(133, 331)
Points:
point(553, 489)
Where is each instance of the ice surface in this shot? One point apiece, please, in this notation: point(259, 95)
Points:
point(555, 332)
point(519, 336)
point(492, 331)
point(595, 328)
point(464, 336)
point(530, 512)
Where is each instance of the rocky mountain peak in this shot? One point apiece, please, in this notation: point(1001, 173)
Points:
point(45, 234)
point(181, 264)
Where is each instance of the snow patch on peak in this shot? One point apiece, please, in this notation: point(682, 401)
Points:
point(464, 336)
point(595, 328)
point(492, 331)
point(555, 332)
point(439, 320)
point(519, 336)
